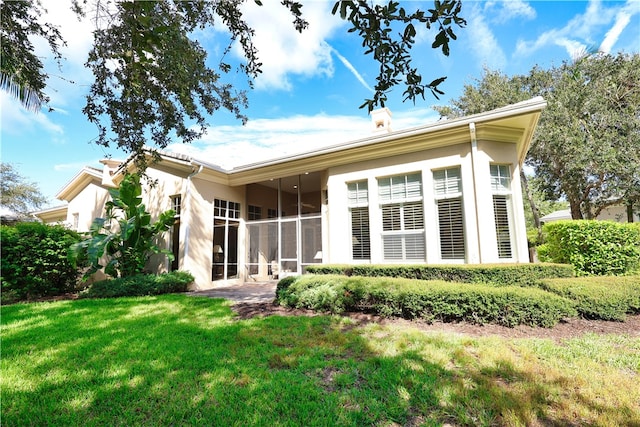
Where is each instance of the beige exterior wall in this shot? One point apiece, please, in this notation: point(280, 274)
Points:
point(479, 223)
point(87, 205)
point(197, 229)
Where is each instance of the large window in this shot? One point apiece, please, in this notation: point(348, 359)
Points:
point(448, 194)
point(225, 240)
point(358, 194)
point(501, 188)
point(402, 217)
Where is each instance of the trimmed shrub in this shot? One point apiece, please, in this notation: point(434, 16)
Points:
point(140, 285)
point(428, 300)
point(606, 298)
point(496, 274)
point(593, 247)
point(34, 261)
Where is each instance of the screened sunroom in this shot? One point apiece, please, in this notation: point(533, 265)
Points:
point(284, 225)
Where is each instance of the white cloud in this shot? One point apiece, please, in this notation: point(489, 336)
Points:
point(574, 48)
point(16, 120)
point(508, 10)
point(262, 139)
point(622, 20)
point(484, 45)
point(576, 35)
point(283, 51)
point(74, 166)
point(353, 70)
point(67, 83)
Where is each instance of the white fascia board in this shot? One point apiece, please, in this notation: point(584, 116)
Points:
point(525, 107)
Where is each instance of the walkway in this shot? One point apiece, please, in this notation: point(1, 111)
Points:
point(252, 292)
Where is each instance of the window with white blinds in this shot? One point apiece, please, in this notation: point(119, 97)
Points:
point(448, 192)
point(503, 236)
point(400, 188)
point(402, 211)
point(501, 187)
point(358, 200)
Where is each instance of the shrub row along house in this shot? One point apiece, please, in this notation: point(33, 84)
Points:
point(445, 192)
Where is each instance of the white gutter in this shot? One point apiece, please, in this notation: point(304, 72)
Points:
point(474, 155)
point(187, 210)
point(524, 107)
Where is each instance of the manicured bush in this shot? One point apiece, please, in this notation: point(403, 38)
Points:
point(496, 274)
point(34, 261)
point(428, 300)
point(140, 285)
point(606, 298)
point(593, 247)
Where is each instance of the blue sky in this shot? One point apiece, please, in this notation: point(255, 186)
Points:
point(312, 84)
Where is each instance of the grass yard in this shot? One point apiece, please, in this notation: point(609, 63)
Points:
point(177, 360)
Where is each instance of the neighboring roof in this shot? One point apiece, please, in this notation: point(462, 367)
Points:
point(557, 216)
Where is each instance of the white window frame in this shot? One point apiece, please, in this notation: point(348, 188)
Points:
point(358, 202)
point(449, 190)
point(402, 194)
point(501, 188)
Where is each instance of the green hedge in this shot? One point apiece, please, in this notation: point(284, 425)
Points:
point(140, 285)
point(497, 274)
point(428, 300)
point(34, 261)
point(593, 247)
point(607, 298)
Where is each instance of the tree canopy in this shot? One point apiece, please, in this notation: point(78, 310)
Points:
point(154, 81)
point(21, 71)
point(586, 149)
point(17, 194)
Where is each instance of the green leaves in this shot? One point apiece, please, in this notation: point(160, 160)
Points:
point(375, 24)
point(126, 235)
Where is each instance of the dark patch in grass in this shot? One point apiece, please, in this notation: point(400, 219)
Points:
point(176, 360)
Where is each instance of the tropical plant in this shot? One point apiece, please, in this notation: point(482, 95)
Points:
point(126, 237)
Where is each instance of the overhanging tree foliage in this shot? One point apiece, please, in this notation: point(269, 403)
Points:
point(587, 146)
point(21, 71)
point(155, 83)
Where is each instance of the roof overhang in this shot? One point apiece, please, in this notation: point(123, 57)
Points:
point(512, 124)
point(83, 178)
point(53, 214)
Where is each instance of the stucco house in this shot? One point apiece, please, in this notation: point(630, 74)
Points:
point(445, 192)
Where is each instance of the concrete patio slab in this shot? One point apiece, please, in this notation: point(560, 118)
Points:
point(252, 292)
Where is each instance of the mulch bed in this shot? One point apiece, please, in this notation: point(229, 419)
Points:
point(567, 329)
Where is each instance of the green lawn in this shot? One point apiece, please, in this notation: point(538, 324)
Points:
point(177, 360)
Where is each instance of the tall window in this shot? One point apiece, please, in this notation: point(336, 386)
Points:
point(448, 193)
point(225, 239)
point(501, 188)
point(176, 205)
point(402, 217)
point(358, 194)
